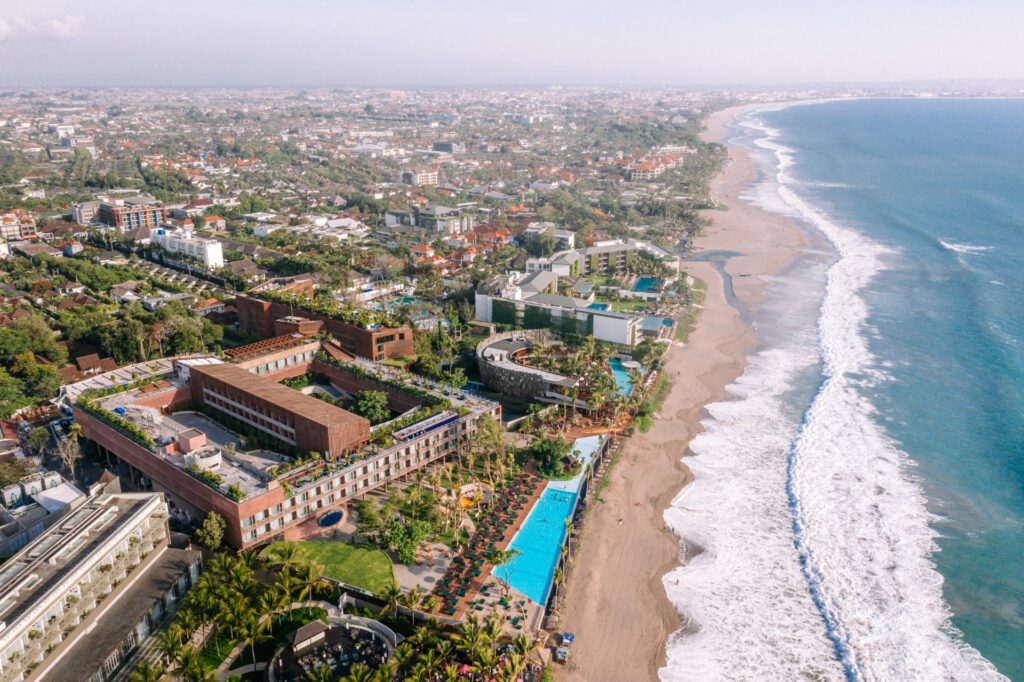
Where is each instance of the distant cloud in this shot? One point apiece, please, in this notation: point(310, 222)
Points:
point(65, 28)
point(57, 28)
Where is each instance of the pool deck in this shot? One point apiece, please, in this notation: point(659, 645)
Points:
point(485, 577)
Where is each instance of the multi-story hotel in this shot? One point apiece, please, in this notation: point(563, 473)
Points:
point(270, 460)
point(78, 601)
point(177, 241)
point(132, 212)
point(269, 318)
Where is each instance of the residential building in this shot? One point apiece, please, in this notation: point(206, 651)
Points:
point(85, 213)
point(420, 177)
point(564, 239)
point(178, 241)
point(132, 212)
point(450, 147)
point(17, 224)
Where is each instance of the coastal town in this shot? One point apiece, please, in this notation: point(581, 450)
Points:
point(363, 383)
point(325, 384)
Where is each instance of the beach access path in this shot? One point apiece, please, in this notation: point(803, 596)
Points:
point(616, 602)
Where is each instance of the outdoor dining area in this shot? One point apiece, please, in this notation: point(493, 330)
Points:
point(469, 570)
point(337, 647)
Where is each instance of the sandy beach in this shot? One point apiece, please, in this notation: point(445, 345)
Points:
point(616, 603)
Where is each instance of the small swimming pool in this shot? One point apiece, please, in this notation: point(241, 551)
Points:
point(330, 519)
point(646, 284)
point(541, 536)
point(621, 375)
point(598, 306)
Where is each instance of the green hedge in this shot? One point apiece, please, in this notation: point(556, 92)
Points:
point(116, 422)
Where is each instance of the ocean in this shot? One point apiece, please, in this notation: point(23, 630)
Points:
point(858, 508)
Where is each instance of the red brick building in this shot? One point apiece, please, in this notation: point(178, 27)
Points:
point(260, 317)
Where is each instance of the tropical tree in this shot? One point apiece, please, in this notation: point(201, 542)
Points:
point(321, 673)
point(310, 575)
point(392, 597)
point(282, 556)
point(211, 533)
point(147, 672)
point(169, 644)
point(504, 560)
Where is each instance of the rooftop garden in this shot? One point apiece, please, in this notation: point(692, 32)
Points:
point(332, 308)
point(88, 403)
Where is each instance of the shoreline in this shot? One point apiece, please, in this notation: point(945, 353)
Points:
point(616, 599)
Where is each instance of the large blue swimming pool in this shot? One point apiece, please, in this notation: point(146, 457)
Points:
point(540, 538)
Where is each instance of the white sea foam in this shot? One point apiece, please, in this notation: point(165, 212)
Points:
point(965, 249)
point(867, 587)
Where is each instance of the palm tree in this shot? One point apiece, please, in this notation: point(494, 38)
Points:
point(404, 654)
point(273, 602)
point(287, 585)
point(392, 597)
point(251, 631)
point(504, 558)
point(282, 556)
point(412, 600)
point(310, 575)
point(359, 673)
point(321, 673)
point(193, 667)
point(484, 661)
point(169, 644)
point(470, 637)
point(147, 672)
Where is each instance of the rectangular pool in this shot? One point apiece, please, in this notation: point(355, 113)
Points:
point(541, 536)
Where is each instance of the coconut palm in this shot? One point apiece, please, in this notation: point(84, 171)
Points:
point(485, 660)
point(321, 673)
point(169, 644)
point(147, 672)
point(392, 597)
point(404, 654)
point(470, 638)
point(273, 602)
point(283, 556)
point(411, 600)
point(503, 558)
point(310, 575)
point(359, 673)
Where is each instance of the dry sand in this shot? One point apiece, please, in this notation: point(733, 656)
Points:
point(616, 603)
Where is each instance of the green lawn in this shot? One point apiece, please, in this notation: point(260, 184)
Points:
point(626, 305)
point(360, 565)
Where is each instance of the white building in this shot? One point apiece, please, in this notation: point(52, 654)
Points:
point(525, 300)
point(208, 251)
point(79, 600)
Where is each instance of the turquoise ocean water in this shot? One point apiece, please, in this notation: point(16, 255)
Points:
point(860, 501)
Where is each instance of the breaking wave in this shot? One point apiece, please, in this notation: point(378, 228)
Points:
point(815, 534)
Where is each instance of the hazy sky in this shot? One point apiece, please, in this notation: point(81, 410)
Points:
point(480, 42)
